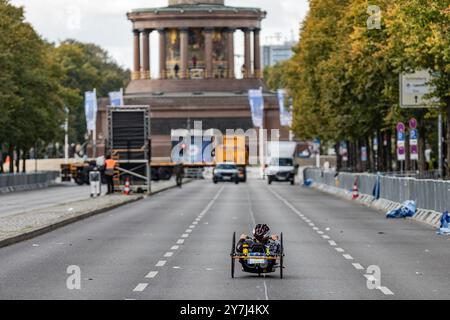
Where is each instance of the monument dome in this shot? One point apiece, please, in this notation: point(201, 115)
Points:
point(194, 2)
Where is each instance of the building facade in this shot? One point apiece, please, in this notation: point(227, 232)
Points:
point(197, 77)
point(274, 54)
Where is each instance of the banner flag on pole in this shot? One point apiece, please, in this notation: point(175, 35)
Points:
point(116, 98)
point(90, 106)
point(285, 113)
point(256, 100)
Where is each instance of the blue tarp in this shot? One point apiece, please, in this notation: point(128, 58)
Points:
point(408, 209)
point(308, 183)
point(445, 224)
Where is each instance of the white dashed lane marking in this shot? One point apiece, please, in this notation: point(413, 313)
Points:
point(332, 243)
point(141, 287)
point(161, 263)
point(151, 274)
point(358, 266)
point(386, 291)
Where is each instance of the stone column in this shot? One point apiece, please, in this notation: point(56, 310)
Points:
point(137, 56)
point(162, 54)
point(230, 39)
point(209, 52)
point(184, 43)
point(247, 54)
point(146, 52)
point(257, 53)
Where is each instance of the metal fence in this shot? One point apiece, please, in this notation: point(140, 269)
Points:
point(428, 194)
point(20, 180)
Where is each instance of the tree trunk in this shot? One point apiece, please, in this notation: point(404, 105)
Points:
point(447, 158)
point(24, 161)
point(389, 157)
point(338, 157)
point(1, 159)
point(18, 160)
point(369, 166)
point(11, 158)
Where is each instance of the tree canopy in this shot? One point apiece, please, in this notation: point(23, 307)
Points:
point(344, 76)
point(39, 80)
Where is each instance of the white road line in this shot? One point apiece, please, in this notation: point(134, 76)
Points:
point(316, 229)
point(250, 208)
point(161, 263)
point(188, 231)
point(192, 227)
point(175, 248)
point(151, 274)
point(386, 291)
point(181, 241)
point(195, 223)
point(358, 266)
point(141, 287)
point(266, 291)
point(326, 237)
point(185, 235)
point(168, 255)
point(332, 243)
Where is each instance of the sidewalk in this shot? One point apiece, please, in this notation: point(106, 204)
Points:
point(37, 218)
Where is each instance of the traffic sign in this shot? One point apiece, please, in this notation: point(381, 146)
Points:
point(401, 127)
point(413, 123)
point(414, 135)
point(413, 89)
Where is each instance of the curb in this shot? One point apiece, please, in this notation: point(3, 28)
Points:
point(428, 217)
point(33, 234)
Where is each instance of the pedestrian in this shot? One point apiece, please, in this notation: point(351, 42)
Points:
point(110, 167)
point(95, 182)
point(179, 172)
point(177, 70)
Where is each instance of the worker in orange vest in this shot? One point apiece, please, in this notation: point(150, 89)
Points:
point(110, 167)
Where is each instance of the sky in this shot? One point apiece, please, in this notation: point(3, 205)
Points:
point(104, 22)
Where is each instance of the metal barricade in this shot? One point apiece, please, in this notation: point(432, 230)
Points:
point(428, 194)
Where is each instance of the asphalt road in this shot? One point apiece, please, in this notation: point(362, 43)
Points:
point(176, 245)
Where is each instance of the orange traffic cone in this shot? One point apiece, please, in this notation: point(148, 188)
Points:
point(355, 190)
point(127, 189)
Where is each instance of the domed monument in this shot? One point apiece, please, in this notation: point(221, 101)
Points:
point(196, 68)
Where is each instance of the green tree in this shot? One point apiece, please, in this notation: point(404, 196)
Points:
point(85, 67)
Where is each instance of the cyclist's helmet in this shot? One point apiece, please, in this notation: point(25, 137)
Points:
point(261, 232)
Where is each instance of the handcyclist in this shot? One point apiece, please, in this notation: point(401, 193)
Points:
point(262, 236)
